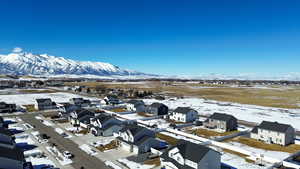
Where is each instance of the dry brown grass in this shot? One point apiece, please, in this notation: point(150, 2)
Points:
point(143, 114)
point(118, 110)
point(83, 131)
point(37, 91)
point(272, 97)
point(30, 108)
point(112, 145)
point(293, 148)
point(239, 154)
point(170, 140)
point(209, 133)
point(154, 161)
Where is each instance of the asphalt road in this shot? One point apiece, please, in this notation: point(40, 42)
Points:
point(81, 158)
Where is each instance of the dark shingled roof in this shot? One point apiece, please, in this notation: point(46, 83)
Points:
point(157, 105)
point(42, 100)
point(274, 126)
point(188, 150)
point(15, 153)
point(254, 130)
point(135, 102)
point(5, 131)
point(134, 129)
point(222, 116)
point(183, 110)
point(102, 117)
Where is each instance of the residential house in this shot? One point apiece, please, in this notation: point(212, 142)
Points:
point(67, 108)
point(221, 122)
point(188, 155)
point(137, 139)
point(81, 116)
point(6, 138)
point(11, 158)
point(44, 104)
point(135, 106)
point(111, 100)
point(80, 102)
point(157, 109)
point(105, 125)
point(2, 123)
point(7, 108)
point(184, 115)
point(274, 133)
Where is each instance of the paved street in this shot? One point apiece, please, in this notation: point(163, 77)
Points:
point(81, 158)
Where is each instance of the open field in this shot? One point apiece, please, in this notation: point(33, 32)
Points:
point(270, 96)
point(209, 133)
point(293, 148)
point(170, 140)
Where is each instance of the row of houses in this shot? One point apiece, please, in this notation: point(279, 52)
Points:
point(11, 157)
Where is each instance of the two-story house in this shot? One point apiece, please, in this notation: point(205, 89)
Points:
point(111, 100)
point(157, 109)
point(11, 158)
point(81, 117)
point(80, 102)
point(44, 104)
point(188, 155)
point(7, 108)
point(274, 133)
point(183, 114)
point(135, 106)
point(221, 122)
point(137, 139)
point(105, 125)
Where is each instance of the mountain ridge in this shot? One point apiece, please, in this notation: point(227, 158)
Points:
point(23, 63)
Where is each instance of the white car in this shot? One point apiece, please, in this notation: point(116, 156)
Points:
point(67, 154)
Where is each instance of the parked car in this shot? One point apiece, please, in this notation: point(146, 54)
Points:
point(67, 154)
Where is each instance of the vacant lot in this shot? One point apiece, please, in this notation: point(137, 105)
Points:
point(209, 133)
point(271, 96)
point(293, 148)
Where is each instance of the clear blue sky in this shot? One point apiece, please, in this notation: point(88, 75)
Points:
point(173, 37)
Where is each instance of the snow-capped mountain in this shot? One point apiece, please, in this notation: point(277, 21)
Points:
point(23, 63)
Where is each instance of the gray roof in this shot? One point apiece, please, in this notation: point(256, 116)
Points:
point(254, 130)
point(42, 100)
point(102, 117)
point(85, 119)
point(188, 150)
point(182, 110)
point(134, 129)
point(14, 154)
point(274, 126)
point(135, 102)
point(222, 117)
point(157, 105)
point(5, 131)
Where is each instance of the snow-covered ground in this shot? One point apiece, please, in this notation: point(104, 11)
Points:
point(274, 154)
point(23, 99)
point(134, 165)
point(241, 111)
point(239, 162)
point(88, 149)
point(112, 165)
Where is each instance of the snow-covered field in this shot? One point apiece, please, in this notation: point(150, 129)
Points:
point(245, 112)
point(23, 99)
point(239, 162)
point(274, 154)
